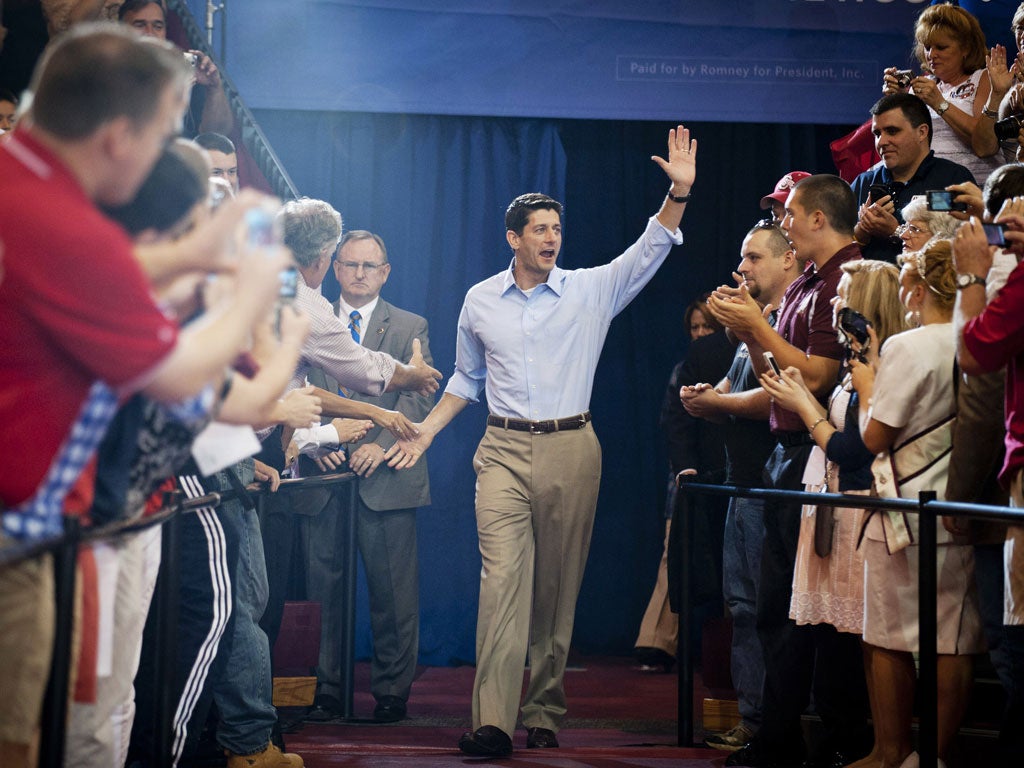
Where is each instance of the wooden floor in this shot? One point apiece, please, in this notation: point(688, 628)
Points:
point(617, 716)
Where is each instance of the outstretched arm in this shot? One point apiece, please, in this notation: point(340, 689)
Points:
point(396, 423)
point(416, 376)
point(406, 453)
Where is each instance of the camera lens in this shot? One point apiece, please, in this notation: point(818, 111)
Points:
point(1008, 128)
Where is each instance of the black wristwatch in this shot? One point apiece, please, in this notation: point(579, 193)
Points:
point(676, 199)
point(965, 279)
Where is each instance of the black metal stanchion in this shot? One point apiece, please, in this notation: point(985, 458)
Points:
point(348, 633)
point(167, 600)
point(684, 651)
point(928, 733)
point(55, 703)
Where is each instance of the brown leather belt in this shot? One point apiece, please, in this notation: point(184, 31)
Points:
point(540, 427)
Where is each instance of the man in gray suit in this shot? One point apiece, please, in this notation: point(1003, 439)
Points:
point(386, 510)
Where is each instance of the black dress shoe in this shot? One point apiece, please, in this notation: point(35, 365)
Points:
point(834, 759)
point(654, 660)
point(755, 756)
point(389, 709)
point(540, 738)
point(486, 741)
point(323, 713)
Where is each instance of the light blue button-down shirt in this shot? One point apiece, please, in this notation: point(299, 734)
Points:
point(536, 355)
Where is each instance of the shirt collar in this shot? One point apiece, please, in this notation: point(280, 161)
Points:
point(554, 281)
point(39, 160)
point(364, 311)
point(840, 257)
point(922, 169)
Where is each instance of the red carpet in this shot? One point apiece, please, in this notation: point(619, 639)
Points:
point(618, 717)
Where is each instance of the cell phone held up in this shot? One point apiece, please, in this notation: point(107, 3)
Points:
point(853, 329)
point(772, 363)
point(942, 200)
point(286, 294)
point(995, 234)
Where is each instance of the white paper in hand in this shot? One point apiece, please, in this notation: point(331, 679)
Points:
point(222, 445)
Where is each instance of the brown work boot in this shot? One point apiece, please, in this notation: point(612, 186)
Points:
point(271, 757)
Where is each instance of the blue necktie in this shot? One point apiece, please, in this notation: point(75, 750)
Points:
point(353, 326)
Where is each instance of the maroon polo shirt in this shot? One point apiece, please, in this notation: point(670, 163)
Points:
point(805, 321)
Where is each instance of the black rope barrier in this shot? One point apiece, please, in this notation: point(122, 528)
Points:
point(928, 510)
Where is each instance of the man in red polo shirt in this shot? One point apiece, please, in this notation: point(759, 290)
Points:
point(78, 325)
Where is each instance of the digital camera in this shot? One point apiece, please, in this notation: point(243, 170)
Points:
point(1009, 127)
point(904, 77)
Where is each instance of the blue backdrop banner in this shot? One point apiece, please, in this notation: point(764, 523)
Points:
point(791, 61)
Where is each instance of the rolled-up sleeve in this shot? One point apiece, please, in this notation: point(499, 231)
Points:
point(996, 336)
point(470, 360)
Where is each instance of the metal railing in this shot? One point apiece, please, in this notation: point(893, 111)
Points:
point(65, 548)
point(926, 507)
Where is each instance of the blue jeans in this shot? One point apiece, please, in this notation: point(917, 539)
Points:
point(741, 570)
point(244, 692)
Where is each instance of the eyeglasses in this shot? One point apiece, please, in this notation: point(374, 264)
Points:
point(368, 266)
point(910, 229)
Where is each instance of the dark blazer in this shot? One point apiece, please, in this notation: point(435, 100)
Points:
point(391, 330)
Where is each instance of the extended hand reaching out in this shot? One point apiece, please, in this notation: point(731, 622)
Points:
point(405, 453)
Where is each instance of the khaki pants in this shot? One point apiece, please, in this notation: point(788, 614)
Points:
point(1013, 562)
point(660, 627)
point(98, 732)
point(535, 502)
point(26, 645)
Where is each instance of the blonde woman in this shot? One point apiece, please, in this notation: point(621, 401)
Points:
point(828, 577)
point(954, 83)
point(907, 401)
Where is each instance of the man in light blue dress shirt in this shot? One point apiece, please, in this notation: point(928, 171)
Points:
point(531, 336)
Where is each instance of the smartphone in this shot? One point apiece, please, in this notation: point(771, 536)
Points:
point(769, 358)
point(941, 200)
point(995, 234)
point(262, 227)
point(877, 191)
point(289, 279)
point(289, 283)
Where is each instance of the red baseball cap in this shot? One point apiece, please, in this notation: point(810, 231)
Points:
point(783, 188)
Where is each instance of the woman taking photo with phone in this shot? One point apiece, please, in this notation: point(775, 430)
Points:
point(828, 576)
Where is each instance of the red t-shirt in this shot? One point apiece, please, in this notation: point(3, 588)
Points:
point(805, 321)
point(75, 307)
point(996, 338)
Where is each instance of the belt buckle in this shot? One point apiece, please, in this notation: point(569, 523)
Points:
point(582, 419)
point(535, 428)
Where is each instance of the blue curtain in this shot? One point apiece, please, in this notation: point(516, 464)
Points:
point(436, 188)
